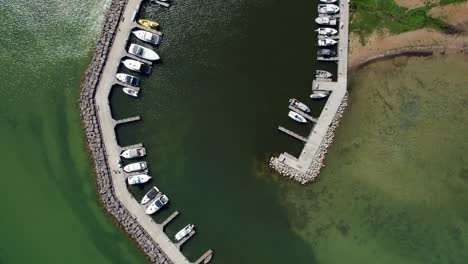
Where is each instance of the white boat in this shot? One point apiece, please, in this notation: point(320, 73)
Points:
point(327, 21)
point(146, 36)
point(137, 66)
point(326, 31)
point(137, 166)
point(323, 74)
point(301, 106)
point(184, 232)
point(326, 42)
point(138, 179)
point(133, 153)
point(328, 9)
point(128, 79)
point(143, 52)
point(132, 91)
point(319, 94)
point(328, 1)
point(150, 195)
point(297, 117)
point(157, 204)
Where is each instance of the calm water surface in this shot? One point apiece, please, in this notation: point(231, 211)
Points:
point(394, 188)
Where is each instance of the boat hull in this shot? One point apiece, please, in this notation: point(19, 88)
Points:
point(134, 167)
point(297, 117)
point(138, 179)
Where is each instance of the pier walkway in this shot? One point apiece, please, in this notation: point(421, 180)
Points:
point(338, 91)
point(117, 51)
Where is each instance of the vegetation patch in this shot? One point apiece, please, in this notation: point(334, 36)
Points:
point(370, 15)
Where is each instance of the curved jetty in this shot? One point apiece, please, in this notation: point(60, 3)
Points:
point(101, 138)
point(307, 166)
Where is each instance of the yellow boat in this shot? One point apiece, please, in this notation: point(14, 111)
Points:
point(148, 23)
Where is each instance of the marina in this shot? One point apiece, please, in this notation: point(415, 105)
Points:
point(306, 167)
point(134, 173)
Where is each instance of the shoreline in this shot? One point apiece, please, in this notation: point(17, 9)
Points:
point(94, 140)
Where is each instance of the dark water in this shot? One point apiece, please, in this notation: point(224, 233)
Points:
point(210, 114)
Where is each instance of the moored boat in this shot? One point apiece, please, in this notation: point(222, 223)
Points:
point(326, 31)
point(328, 1)
point(133, 153)
point(138, 179)
point(143, 52)
point(323, 74)
point(148, 23)
point(137, 166)
point(184, 232)
point(150, 195)
point(297, 117)
point(319, 94)
point(299, 105)
point(328, 9)
point(157, 204)
point(137, 66)
point(146, 36)
point(128, 79)
point(132, 91)
point(326, 42)
point(326, 53)
point(325, 20)
point(208, 258)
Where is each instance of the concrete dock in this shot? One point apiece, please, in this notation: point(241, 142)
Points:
point(107, 124)
point(307, 166)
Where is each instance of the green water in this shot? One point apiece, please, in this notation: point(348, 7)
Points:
point(393, 189)
point(49, 208)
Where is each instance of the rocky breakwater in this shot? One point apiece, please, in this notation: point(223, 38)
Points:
point(95, 142)
point(317, 163)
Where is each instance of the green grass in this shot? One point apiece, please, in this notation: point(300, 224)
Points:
point(370, 15)
point(447, 2)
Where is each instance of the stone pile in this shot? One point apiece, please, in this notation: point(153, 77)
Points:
point(317, 162)
point(95, 142)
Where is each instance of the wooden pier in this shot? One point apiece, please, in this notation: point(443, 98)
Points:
point(207, 254)
point(127, 120)
point(139, 145)
point(131, 56)
point(292, 134)
point(138, 26)
point(320, 58)
point(190, 235)
point(169, 219)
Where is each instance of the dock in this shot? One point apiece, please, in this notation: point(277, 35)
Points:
point(307, 166)
point(185, 239)
point(117, 51)
point(292, 134)
point(170, 218)
point(127, 120)
point(207, 254)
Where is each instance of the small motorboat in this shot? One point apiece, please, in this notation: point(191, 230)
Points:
point(297, 117)
point(208, 258)
point(326, 31)
point(133, 153)
point(184, 232)
point(319, 95)
point(138, 179)
point(150, 195)
point(137, 66)
point(132, 91)
point(326, 53)
point(323, 74)
point(143, 52)
point(148, 23)
point(128, 79)
point(146, 36)
point(137, 166)
point(328, 9)
point(157, 204)
point(326, 42)
point(325, 20)
point(301, 106)
point(328, 1)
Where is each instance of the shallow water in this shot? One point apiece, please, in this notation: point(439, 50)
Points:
point(396, 178)
point(50, 210)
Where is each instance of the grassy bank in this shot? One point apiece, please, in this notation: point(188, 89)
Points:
point(370, 15)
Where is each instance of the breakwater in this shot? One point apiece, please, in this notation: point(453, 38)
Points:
point(95, 141)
